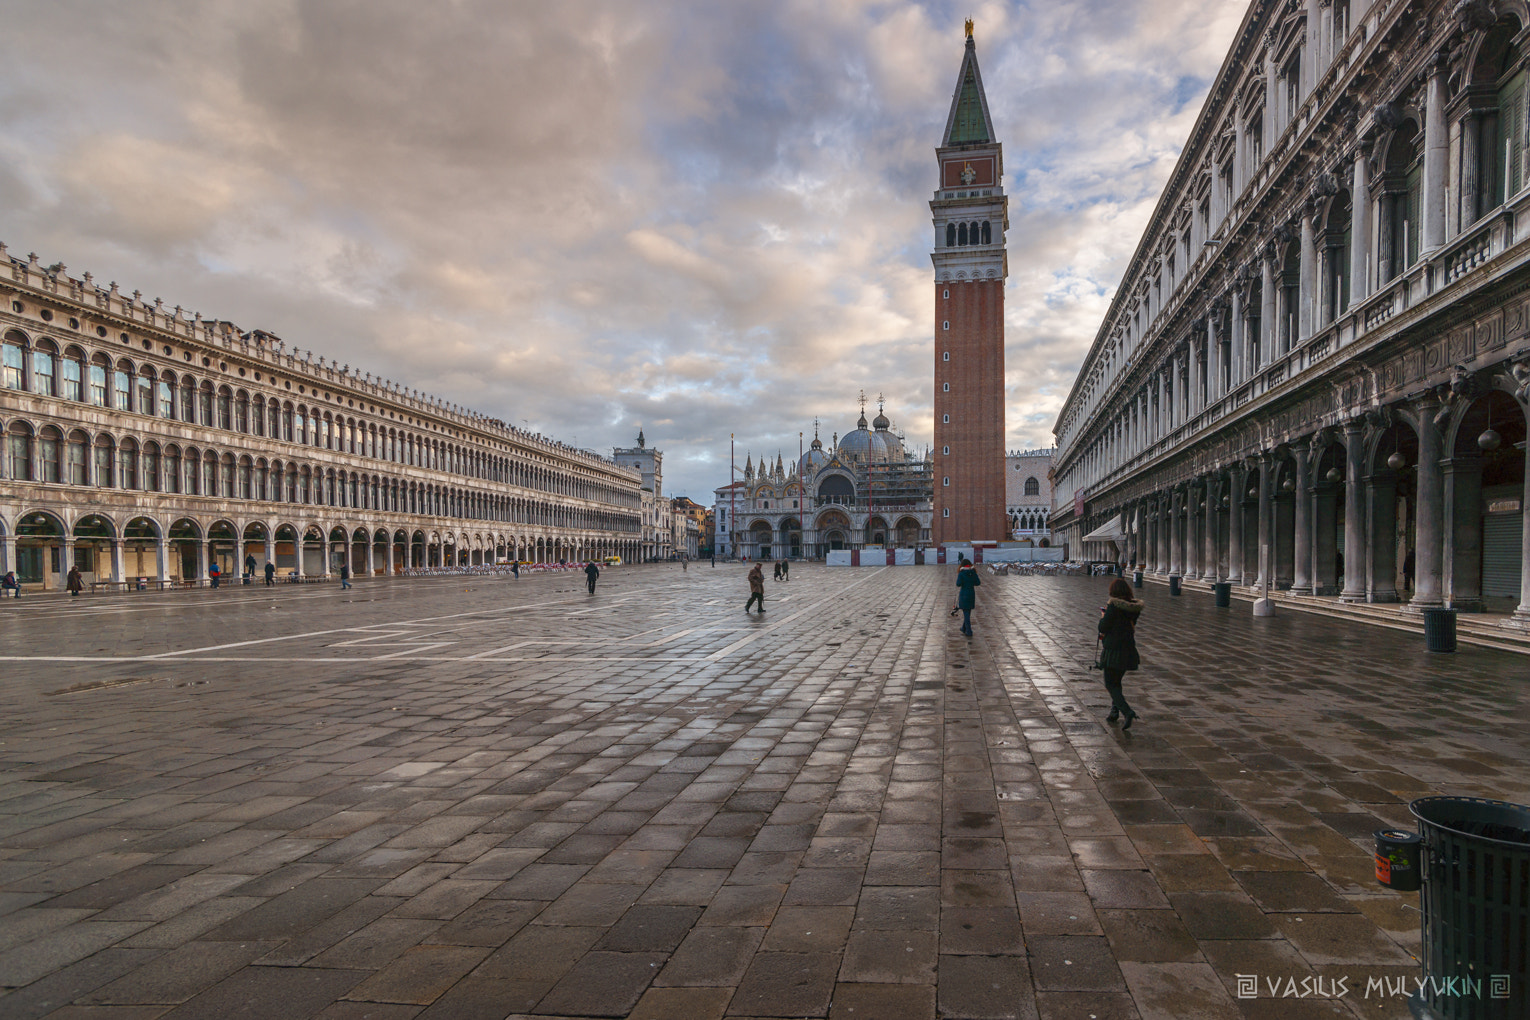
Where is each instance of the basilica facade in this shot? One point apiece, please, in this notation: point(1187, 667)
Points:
point(142, 442)
point(1316, 371)
point(863, 490)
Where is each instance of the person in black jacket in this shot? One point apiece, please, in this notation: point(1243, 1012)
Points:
point(967, 582)
point(1118, 654)
point(591, 572)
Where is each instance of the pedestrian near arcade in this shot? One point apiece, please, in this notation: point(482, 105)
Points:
point(10, 584)
point(591, 572)
point(249, 566)
point(345, 576)
point(270, 573)
point(75, 582)
point(515, 568)
point(967, 581)
point(786, 570)
point(756, 588)
point(214, 572)
point(1118, 647)
point(777, 567)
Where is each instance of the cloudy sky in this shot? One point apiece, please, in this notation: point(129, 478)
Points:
point(702, 218)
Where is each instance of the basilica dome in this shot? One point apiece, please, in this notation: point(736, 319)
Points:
point(814, 459)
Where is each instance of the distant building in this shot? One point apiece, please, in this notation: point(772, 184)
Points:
point(866, 490)
point(1028, 494)
point(658, 529)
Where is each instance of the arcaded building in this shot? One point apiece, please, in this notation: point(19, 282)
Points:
point(1028, 494)
point(143, 442)
point(1316, 369)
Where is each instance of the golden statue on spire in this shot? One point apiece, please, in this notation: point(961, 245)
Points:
point(969, 28)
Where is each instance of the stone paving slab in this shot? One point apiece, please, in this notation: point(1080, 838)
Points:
point(476, 797)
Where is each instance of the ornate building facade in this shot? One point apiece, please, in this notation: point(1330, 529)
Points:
point(971, 215)
point(864, 490)
point(143, 442)
point(1028, 494)
point(1317, 368)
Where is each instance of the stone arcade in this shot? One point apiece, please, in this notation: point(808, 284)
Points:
point(1316, 369)
point(142, 442)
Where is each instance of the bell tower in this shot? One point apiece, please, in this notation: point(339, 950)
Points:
point(971, 214)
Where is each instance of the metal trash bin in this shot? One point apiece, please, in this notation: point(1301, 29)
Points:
point(1174, 584)
point(1137, 579)
point(1222, 591)
point(1475, 908)
point(1440, 630)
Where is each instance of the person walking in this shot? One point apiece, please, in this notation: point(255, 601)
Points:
point(75, 582)
point(345, 576)
point(515, 568)
point(270, 573)
point(961, 561)
point(591, 572)
point(214, 572)
point(776, 567)
point(249, 565)
point(786, 570)
point(1118, 651)
point(967, 580)
point(756, 588)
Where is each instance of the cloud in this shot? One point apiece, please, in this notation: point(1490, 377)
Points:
point(703, 219)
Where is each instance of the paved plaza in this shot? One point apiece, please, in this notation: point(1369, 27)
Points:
point(487, 798)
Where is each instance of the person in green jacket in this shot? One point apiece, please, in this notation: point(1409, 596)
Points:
point(967, 581)
point(1118, 652)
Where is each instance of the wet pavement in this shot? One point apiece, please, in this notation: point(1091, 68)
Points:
point(481, 798)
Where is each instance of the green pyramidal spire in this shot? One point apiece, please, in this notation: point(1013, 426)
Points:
point(968, 123)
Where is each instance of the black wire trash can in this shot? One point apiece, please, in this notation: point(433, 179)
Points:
point(1475, 903)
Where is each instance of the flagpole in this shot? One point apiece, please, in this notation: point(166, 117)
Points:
point(732, 498)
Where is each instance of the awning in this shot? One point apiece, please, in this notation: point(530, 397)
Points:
point(1110, 531)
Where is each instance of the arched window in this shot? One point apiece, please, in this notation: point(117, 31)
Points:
point(104, 468)
point(145, 396)
point(987, 232)
point(193, 471)
point(13, 357)
point(1496, 76)
point(246, 478)
point(1335, 243)
point(127, 464)
point(1032, 487)
point(151, 466)
point(301, 419)
point(75, 458)
point(73, 374)
point(258, 415)
point(205, 404)
point(226, 477)
point(225, 409)
point(950, 235)
point(1290, 297)
point(172, 468)
point(1400, 195)
point(242, 412)
point(50, 454)
point(19, 450)
point(43, 369)
point(210, 474)
point(287, 422)
point(167, 395)
point(961, 234)
point(122, 386)
point(100, 366)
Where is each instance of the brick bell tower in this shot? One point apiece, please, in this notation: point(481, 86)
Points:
point(971, 214)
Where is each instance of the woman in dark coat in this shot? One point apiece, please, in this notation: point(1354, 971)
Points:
point(967, 581)
point(1118, 654)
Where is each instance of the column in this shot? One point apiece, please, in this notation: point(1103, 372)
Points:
point(1301, 580)
point(1209, 542)
point(1264, 515)
point(1428, 540)
point(1269, 329)
point(1213, 359)
point(270, 549)
point(1463, 534)
point(1470, 175)
point(119, 571)
point(1192, 552)
point(1164, 505)
point(1307, 291)
point(162, 556)
point(1360, 223)
point(1522, 612)
point(1193, 376)
point(1381, 505)
point(1237, 480)
point(65, 555)
point(1436, 143)
point(1283, 530)
point(1354, 512)
point(7, 552)
point(372, 555)
point(1176, 543)
point(1235, 346)
point(202, 559)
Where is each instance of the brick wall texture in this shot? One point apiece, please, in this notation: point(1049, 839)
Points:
point(975, 494)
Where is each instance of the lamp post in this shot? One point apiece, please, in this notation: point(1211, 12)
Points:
point(801, 504)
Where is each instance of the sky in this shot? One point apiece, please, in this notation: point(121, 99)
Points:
point(588, 217)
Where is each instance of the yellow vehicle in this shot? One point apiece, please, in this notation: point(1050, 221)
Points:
point(613, 561)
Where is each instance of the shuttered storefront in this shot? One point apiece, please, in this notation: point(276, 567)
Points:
point(1501, 552)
